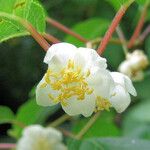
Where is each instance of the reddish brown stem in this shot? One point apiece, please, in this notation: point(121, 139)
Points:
point(40, 40)
point(7, 146)
point(65, 29)
point(138, 28)
point(111, 29)
point(51, 38)
point(113, 26)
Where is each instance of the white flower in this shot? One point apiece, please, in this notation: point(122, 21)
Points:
point(138, 60)
point(134, 64)
point(123, 87)
point(36, 137)
point(76, 78)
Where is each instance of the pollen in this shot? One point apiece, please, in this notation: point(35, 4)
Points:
point(69, 82)
point(102, 104)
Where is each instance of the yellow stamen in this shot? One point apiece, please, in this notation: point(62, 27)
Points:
point(102, 104)
point(69, 82)
point(43, 85)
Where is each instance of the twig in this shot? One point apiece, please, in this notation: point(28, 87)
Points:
point(98, 40)
point(7, 146)
point(87, 126)
point(65, 29)
point(122, 39)
point(51, 38)
point(60, 120)
point(145, 33)
point(67, 133)
point(139, 25)
point(113, 26)
point(18, 123)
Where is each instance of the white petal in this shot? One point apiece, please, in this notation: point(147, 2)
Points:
point(102, 83)
point(92, 57)
point(59, 146)
point(125, 68)
point(64, 51)
point(121, 100)
point(124, 81)
point(32, 131)
point(84, 107)
point(53, 134)
point(42, 97)
point(118, 78)
point(129, 86)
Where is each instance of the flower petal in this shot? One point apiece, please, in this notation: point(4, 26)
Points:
point(124, 81)
point(59, 146)
point(64, 51)
point(84, 107)
point(92, 57)
point(121, 100)
point(53, 134)
point(129, 86)
point(102, 83)
point(42, 93)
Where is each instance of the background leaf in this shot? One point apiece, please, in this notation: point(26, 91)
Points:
point(6, 115)
point(104, 126)
point(90, 29)
point(137, 121)
point(31, 113)
point(30, 10)
point(114, 144)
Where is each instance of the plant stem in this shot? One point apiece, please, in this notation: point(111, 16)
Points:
point(113, 26)
point(87, 126)
point(51, 38)
point(65, 29)
point(139, 25)
point(91, 43)
point(122, 39)
point(145, 33)
point(40, 40)
point(60, 120)
point(7, 146)
point(67, 133)
point(18, 123)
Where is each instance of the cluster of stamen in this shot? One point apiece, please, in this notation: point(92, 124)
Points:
point(69, 82)
point(102, 104)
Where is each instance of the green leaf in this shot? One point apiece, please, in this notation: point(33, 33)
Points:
point(111, 144)
point(30, 10)
point(30, 113)
point(110, 54)
point(6, 115)
point(147, 46)
point(116, 4)
point(104, 126)
point(114, 144)
point(141, 2)
point(74, 144)
point(136, 122)
point(91, 28)
point(142, 87)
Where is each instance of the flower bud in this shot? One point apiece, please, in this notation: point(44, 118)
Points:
point(134, 64)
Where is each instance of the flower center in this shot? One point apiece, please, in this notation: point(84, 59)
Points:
point(42, 144)
point(69, 82)
point(102, 104)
